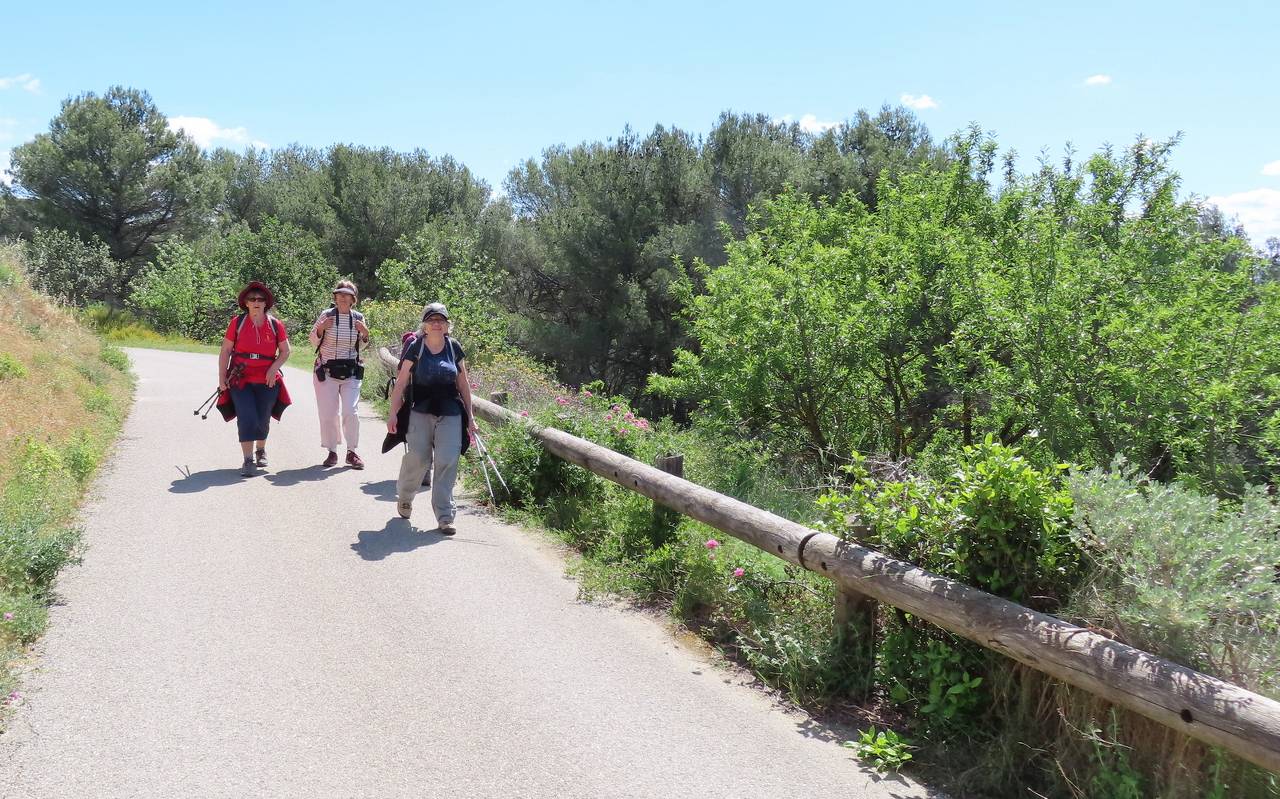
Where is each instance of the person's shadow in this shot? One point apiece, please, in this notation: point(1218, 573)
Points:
point(398, 535)
point(307, 474)
point(192, 483)
point(385, 490)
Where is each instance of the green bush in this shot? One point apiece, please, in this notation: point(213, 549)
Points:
point(22, 616)
point(63, 266)
point(190, 289)
point(11, 367)
point(1186, 576)
point(115, 358)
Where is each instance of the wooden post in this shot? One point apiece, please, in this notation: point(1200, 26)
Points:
point(498, 397)
point(665, 519)
point(855, 630)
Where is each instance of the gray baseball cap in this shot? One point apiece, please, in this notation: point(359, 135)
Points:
point(435, 309)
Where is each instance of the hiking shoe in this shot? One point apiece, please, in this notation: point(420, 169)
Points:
point(354, 460)
point(260, 457)
point(446, 527)
point(404, 509)
point(248, 469)
point(330, 460)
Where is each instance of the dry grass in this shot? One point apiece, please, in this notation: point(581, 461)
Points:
point(63, 365)
point(63, 397)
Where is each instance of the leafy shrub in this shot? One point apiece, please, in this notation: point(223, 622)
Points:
point(995, 522)
point(63, 266)
point(187, 291)
point(884, 748)
point(11, 367)
point(33, 560)
point(1183, 575)
point(22, 617)
point(190, 289)
point(115, 358)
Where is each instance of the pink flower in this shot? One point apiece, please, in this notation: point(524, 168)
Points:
point(738, 572)
point(562, 400)
point(8, 616)
point(622, 431)
point(14, 696)
point(524, 413)
point(642, 424)
point(475, 385)
point(608, 417)
point(629, 416)
point(587, 394)
point(711, 544)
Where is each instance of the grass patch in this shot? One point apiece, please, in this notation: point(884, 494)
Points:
point(64, 399)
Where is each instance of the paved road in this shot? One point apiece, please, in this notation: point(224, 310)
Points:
point(289, 636)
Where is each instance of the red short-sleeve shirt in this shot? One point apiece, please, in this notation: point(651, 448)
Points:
point(259, 340)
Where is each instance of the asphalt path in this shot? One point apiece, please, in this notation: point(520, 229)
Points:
point(288, 635)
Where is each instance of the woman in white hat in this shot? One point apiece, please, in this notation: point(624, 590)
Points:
point(337, 336)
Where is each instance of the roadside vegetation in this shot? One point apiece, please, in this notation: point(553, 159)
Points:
point(1061, 387)
point(64, 394)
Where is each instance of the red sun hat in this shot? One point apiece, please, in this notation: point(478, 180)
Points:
point(256, 285)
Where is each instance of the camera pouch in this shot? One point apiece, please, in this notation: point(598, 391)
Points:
point(343, 368)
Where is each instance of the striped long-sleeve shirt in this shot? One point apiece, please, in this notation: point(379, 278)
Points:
point(339, 341)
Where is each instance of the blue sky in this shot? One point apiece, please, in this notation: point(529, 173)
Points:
point(493, 83)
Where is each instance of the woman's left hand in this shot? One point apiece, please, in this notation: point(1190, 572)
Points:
point(272, 373)
point(363, 329)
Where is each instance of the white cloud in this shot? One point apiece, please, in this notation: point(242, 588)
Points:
point(24, 81)
point(1097, 80)
point(920, 103)
point(1272, 169)
point(205, 132)
point(810, 124)
point(1258, 210)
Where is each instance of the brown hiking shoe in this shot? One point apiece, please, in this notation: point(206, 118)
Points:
point(260, 458)
point(330, 460)
point(354, 460)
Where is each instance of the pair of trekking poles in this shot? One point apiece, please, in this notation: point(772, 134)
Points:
point(234, 372)
point(485, 456)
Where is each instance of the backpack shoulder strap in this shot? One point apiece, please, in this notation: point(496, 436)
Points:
point(235, 338)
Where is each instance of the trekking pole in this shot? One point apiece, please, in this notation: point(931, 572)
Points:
point(484, 452)
point(209, 401)
point(485, 470)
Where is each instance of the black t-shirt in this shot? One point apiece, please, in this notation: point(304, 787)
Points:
point(435, 377)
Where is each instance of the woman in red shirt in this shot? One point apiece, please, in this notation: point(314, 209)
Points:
point(254, 349)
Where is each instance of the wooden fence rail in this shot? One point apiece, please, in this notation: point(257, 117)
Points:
point(1200, 706)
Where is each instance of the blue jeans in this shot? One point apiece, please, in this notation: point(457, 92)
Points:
point(254, 402)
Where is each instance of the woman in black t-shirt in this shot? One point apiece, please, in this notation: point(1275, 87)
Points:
point(434, 365)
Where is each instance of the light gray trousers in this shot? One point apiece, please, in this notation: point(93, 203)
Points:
point(432, 442)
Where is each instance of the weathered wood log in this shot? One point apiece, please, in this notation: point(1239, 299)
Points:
point(665, 519)
point(1200, 706)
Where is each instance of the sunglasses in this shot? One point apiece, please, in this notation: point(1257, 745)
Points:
point(440, 319)
point(255, 299)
